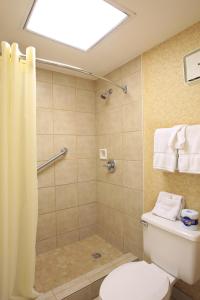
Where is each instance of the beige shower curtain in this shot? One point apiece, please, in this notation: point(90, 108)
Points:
point(18, 177)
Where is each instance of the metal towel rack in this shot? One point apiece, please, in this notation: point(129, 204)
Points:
point(62, 152)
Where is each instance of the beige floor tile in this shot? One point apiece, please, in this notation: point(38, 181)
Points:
point(61, 265)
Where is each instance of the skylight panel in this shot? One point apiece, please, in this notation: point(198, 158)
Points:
point(77, 23)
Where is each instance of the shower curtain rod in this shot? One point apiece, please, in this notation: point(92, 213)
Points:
point(77, 69)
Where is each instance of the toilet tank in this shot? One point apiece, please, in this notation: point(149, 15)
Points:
point(172, 247)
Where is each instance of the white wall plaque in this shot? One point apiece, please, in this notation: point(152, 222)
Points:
point(192, 66)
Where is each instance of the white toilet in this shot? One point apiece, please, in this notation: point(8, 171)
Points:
point(174, 252)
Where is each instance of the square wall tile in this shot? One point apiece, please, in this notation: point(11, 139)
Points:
point(46, 200)
point(87, 214)
point(86, 146)
point(86, 170)
point(114, 121)
point(67, 220)
point(64, 122)
point(133, 203)
point(44, 146)
point(134, 85)
point(104, 175)
point(45, 245)
point(132, 117)
point(64, 97)
point(44, 75)
point(101, 123)
point(64, 79)
point(46, 226)
point(103, 142)
point(46, 176)
point(110, 195)
point(66, 196)
point(85, 101)
point(67, 141)
point(85, 123)
point(86, 192)
point(85, 84)
point(132, 174)
point(132, 236)
point(132, 146)
point(44, 121)
point(131, 226)
point(87, 231)
point(115, 229)
point(67, 238)
point(65, 172)
point(115, 147)
point(44, 95)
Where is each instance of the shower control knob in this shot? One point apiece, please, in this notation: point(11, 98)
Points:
point(110, 165)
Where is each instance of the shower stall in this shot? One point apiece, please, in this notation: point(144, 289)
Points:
point(88, 217)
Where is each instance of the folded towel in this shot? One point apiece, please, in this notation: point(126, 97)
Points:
point(168, 206)
point(165, 157)
point(177, 138)
point(189, 156)
point(165, 161)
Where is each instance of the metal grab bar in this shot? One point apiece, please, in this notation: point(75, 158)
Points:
point(62, 152)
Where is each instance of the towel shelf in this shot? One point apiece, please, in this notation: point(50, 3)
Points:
point(62, 152)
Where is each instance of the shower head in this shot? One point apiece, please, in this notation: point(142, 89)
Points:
point(106, 94)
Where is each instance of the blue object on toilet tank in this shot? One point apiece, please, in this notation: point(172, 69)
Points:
point(190, 218)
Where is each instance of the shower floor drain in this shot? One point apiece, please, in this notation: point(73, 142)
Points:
point(96, 255)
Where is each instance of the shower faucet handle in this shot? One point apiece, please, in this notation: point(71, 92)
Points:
point(110, 165)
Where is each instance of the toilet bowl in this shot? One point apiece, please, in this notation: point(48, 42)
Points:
point(137, 280)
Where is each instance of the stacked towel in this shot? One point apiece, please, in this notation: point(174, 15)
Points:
point(189, 156)
point(165, 157)
point(167, 142)
point(178, 137)
point(169, 206)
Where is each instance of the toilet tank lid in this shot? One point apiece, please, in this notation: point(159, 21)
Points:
point(174, 227)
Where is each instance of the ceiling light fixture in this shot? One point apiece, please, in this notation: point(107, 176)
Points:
point(77, 23)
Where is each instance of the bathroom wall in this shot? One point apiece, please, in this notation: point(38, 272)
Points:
point(119, 130)
point(169, 101)
point(67, 190)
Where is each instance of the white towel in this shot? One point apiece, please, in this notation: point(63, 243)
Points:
point(189, 156)
point(169, 206)
point(165, 157)
point(177, 138)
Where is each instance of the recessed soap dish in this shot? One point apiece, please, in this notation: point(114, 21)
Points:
point(103, 154)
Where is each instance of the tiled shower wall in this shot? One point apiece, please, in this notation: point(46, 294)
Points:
point(119, 130)
point(67, 189)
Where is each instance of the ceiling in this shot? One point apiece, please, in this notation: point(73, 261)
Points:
point(154, 22)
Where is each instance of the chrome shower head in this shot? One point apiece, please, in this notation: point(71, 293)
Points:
point(107, 93)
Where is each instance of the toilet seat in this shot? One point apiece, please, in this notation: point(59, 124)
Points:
point(135, 281)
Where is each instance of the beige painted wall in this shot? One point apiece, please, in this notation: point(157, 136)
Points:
point(169, 101)
point(119, 130)
point(67, 190)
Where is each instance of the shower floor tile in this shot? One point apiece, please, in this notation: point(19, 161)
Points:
point(61, 265)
